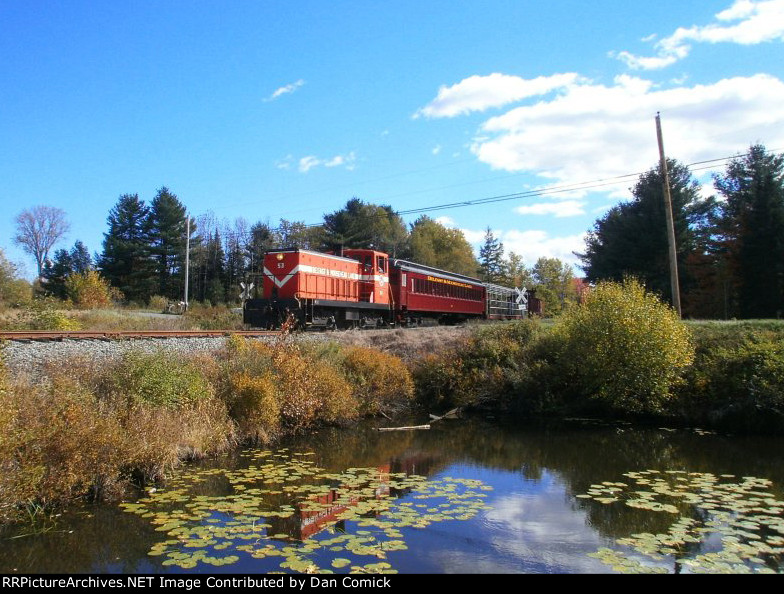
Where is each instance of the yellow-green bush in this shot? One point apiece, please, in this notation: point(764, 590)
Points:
point(623, 347)
point(380, 381)
point(159, 379)
point(737, 380)
point(158, 303)
point(47, 314)
point(254, 405)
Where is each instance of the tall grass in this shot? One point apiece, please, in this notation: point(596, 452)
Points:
point(88, 430)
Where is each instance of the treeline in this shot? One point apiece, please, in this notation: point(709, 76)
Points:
point(730, 246)
point(144, 251)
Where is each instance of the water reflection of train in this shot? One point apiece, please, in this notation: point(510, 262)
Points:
point(366, 288)
point(320, 511)
point(306, 521)
point(334, 503)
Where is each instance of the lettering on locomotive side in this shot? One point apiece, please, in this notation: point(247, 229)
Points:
point(449, 282)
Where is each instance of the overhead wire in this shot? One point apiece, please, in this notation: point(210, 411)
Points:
point(542, 191)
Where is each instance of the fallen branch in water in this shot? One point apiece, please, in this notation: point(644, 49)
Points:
point(403, 428)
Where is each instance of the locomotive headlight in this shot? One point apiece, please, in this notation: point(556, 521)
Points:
point(279, 257)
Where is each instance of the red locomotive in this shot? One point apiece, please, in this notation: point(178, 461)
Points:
point(366, 288)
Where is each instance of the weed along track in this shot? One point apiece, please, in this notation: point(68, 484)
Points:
point(127, 334)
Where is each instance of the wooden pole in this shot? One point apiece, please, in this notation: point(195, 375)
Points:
point(676, 293)
point(187, 256)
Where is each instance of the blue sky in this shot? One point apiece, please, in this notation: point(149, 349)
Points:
point(271, 109)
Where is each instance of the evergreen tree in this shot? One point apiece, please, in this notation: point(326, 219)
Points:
point(491, 259)
point(361, 225)
point(751, 225)
point(631, 239)
point(167, 227)
point(56, 272)
point(125, 261)
point(214, 279)
point(262, 240)
point(81, 261)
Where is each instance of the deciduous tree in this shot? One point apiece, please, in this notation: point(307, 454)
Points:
point(13, 288)
point(38, 230)
point(553, 282)
point(434, 245)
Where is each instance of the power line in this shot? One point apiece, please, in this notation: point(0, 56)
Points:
point(543, 191)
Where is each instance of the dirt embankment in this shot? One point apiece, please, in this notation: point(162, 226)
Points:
point(407, 343)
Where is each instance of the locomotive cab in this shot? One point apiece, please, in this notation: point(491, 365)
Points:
point(374, 274)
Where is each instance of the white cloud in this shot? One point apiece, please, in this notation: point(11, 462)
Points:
point(436, 149)
point(447, 222)
point(476, 238)
point(564, 208)
point(284, 163)
point(478, 93)
point(348, 161)
point(745, 22)
point(593, 131)
point(290, 88)
point(533, 244)
point(335, 161)
point(530, 531)
point(308, 163)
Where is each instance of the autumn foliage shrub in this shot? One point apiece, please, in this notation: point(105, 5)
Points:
point(56, 443)
point(89, 290)
point(286, 388)
point(737, 380)
point(282, 388)
point(622, 348)
point(484, 369)
point(46, 313)
point(381, 382)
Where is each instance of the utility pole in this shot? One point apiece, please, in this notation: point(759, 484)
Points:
point(676, 293)
point(187, 255)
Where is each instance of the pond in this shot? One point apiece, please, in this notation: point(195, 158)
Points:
point(467, 496)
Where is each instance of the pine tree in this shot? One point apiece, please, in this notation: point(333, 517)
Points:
point(631, 239)
point(80, 258)
point(55, 273)
point(491, 259)
point(167, 227)
point(125, 261)
point(752, 232)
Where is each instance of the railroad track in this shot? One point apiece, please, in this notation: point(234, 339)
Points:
point(47, 335)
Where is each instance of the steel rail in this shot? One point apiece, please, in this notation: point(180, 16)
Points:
point(27, 335)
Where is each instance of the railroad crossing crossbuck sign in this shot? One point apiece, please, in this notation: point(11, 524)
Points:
point(246, 291)
point(521, 298)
